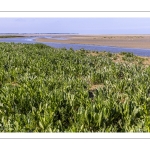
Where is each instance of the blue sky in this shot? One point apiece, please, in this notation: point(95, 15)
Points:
point(76, 25)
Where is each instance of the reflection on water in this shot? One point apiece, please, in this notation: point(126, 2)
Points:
point(56, 38)
point(18, 40)
point(140, 52)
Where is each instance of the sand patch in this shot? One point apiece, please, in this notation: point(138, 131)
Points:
point(126, 41)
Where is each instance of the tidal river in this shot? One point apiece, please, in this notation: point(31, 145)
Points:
point(139, 52)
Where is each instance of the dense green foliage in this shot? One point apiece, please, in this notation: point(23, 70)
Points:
point(43, 89)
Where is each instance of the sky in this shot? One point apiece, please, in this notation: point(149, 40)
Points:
point(76, 25)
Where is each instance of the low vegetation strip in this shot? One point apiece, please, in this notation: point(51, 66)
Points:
point(10, 36)
point(44, 89)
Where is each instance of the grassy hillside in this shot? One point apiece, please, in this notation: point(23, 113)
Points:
point(43, 89)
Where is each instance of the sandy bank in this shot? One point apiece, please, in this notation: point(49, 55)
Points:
point(129, 41)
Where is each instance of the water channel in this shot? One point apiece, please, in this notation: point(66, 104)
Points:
point(31, 40)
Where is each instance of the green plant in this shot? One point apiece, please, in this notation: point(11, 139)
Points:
point(44, 89)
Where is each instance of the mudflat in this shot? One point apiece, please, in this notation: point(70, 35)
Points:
point(126, 41)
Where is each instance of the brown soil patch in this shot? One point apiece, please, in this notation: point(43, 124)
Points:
point(118, 59)
point(14, 84)
point(146, 61)
point(93, 54)
point(96, 86)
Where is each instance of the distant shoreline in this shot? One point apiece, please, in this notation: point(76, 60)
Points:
point(123, 40)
